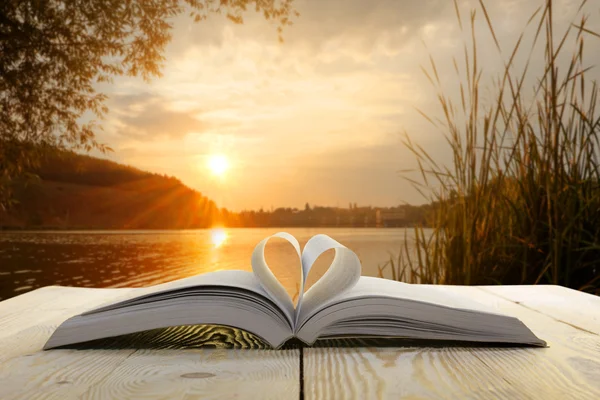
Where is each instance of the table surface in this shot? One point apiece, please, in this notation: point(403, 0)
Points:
point(568, 320)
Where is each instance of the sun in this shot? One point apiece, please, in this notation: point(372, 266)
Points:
point(218, 236)
point(218, 164)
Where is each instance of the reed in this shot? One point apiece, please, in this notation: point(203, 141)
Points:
point(520, 203)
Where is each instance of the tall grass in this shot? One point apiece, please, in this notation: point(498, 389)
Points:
point(520, 204)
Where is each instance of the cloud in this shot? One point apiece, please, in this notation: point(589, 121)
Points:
point(358, 21)
point(310, 119)
point(145, 115)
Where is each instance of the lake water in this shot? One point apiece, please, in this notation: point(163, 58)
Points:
point(29, 260)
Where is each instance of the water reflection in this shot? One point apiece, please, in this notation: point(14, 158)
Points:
point(29, 260)
point(218, 236)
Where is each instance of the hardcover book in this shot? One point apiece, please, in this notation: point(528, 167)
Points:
point(342, 303)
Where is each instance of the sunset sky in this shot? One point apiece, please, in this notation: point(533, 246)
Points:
point(318, 118)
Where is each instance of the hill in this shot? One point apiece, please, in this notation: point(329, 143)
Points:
point(81, 192)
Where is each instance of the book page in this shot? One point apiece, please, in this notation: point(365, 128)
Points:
point(368, 287)
point(342, 275)
point(268, 280)
point(228, 279)
point(216, 304)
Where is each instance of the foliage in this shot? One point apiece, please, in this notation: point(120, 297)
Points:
point(324, 216)
point(521, 202)
point(76, 191)
point(81, 192)
point(54, 52)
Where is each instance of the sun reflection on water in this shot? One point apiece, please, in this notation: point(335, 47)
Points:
point(218, 236)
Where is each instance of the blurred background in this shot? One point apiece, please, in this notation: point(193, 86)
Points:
point(444, 142)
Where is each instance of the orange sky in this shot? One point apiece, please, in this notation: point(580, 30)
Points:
point(316, 119)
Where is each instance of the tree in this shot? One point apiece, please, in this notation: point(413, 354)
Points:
point(53, 52)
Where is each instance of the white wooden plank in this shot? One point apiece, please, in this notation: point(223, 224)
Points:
point(28, 320)
point(567, 305)
point(203, 374)
point(569, 368)
point(57, 374)
point(48, 302)
point(152, 374)
point(440, 373)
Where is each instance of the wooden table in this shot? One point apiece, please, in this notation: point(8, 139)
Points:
point(569, 368)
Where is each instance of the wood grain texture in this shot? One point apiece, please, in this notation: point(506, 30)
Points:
point(59, 374)
point(203, 374)
point(579, 309)
point(47, 303)
point(162, 363)
point(27, 321)
point(151, 374)
point(568, 368)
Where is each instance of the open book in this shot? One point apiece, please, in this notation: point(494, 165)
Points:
point(340, 304)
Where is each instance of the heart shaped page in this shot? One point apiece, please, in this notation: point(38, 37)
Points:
point(268, 280)
point(341, 275)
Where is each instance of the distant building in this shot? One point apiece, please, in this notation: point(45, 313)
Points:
point(390, 218)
